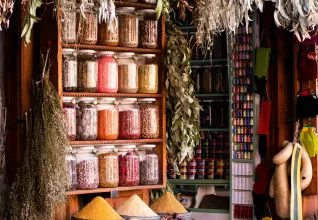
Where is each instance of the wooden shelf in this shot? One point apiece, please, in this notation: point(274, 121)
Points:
point(198, 182)
point(212, 95)
point(136, 141)
point(108, 48)
point(243, 160)
point(86, 94)
point(220, 211)
point(103, 190)
point(135, 5)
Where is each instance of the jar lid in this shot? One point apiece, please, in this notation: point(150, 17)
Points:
point(146, 11)
point(67, 50)
point(126, 147)
point(84, 149)
point(86, 51)
point(126, 54)
point(128, 100)
point(147, 55)
point(147, 100)
point(68, 99)
point(104, 147)
point(144, 146)
point(106, 100)
point(85, 99)
point(101, 53)
point(125, 9)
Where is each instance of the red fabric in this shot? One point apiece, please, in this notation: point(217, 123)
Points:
point(262, 179)
point(307, 67)
point(264, 118)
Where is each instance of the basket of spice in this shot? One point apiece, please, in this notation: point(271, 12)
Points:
point(169, 208)
point(135, 209)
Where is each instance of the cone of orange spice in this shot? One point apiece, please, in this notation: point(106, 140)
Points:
point(167, 203)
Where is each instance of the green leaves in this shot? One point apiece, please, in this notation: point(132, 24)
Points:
point(182, 107)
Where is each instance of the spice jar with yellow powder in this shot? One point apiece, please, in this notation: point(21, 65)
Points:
point(147, 73)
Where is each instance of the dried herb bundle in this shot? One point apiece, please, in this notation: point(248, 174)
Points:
point(39, 186)
point(182, 107)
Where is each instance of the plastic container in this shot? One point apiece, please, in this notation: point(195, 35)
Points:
point(128, 165)
point(86, 168)
point(69, 70)
point(69, 109)
point(149, 165)
point(87, 71)
point(149, 118)
point(107, 72)
point(129, 119)
point(86, 119)
point(147, 73)
point(68, 22)
point(148, 28)
point(87, 27)
point(127, 73)
point(108, 119)
point(108, 166)
point(71, 169)
point(108, 37)
point(128, 27)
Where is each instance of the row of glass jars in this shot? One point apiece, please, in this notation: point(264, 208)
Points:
point(107, 121)
point(101, 72)
point(97, 2)
point(135, 28)
point(90, 167)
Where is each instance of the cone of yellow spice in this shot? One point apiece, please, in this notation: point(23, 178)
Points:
point(167, 203)
point(98, 209)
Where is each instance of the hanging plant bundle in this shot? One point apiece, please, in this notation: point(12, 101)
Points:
point(182, 108)
point(39, 186)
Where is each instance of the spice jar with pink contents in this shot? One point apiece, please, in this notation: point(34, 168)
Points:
point(86, 167)
point(129, 119)
point(107, 72)
point(128, 165)
point(69, 109)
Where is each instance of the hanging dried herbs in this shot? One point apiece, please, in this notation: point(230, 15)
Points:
point(39, 185)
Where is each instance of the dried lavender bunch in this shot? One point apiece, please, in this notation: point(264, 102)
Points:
point(39, 186)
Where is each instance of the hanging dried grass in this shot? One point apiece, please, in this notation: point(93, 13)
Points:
point(39, 186)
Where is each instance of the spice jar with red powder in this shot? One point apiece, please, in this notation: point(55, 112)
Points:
point(108, 118)
point(128, 165)
point(149, 118)
point(149, 164)
point(108, 166)
point(107, 72)
point(127, 73)
point(69, 109)
point(86, 168)
point(87, 25)
point(129, 119)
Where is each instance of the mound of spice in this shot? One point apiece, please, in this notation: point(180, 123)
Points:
point(168, 204)
point(134, 206)
point(98, 209)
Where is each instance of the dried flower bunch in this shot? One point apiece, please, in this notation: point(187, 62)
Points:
point(6, 10)
point(39, 185)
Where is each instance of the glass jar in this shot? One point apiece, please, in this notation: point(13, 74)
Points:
point(207, 83)
point(87, 71)
point(86, 119)
point(69, 110)
point(128, 27)
point(127, 73)
point(149, 118)
point(128, 165)
point(107, 72)
point(87, 26)
point(69, 70)
point(68, 22)
point(108, 117)
point(86, 168)
point(148, 28)
point(106, 36)
point(147, 73)
point(129, 119)
point(71, 169)
point(108, 166)
point(149, 165)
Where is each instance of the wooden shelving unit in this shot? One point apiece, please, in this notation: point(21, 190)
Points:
point(132, 95)
point(198, 182)
point(119, 142)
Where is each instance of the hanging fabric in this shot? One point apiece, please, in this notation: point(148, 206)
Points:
point(307, 66)
point(308, 138)
point(265, 116)
point(307, 104)
point(262, 59)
